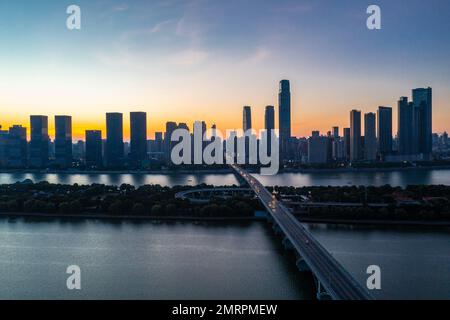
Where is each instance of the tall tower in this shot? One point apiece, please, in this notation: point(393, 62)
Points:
point(269, 125)
point(168, 144)
point(355, 135)
point(269, 118)
point(423, 126)
point(138, 137)
point(370, 137)
point(284, 101)
point(247, 118)
point(39, 141)
point(384, 128)
point(63, 141)
point(405, 126)
point(347, 143)
point(114, 149)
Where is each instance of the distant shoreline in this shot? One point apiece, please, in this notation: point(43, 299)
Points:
point(96, 216)
point(406, 223)
point(221, 171)
point(88, 216)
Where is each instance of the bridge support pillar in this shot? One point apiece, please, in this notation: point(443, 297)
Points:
point(322, 294)
point(287, 244)
point(302, 265)
point(276, 228)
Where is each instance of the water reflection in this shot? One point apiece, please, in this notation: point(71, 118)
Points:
point(130, 260)
point(394, 178)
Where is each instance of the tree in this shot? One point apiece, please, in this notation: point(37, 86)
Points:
point(13, 205)
point(138, 209)
point(76, 207)
point(64, 208)
point(157, 210)
point(115, 208)
point(171, 209)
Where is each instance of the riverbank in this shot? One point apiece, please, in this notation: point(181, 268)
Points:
point(224, 170)
point(89, 216)
point(385, 223)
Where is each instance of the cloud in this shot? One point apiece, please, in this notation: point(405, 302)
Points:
point(120, 7)
point(261, 54)
point(161, 25)
point(189, 57)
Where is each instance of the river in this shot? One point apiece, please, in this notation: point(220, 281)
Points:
point(213, 260)
point(327, 178)
point(144, 260)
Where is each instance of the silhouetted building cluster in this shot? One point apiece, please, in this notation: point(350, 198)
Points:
point(413, 141)
point(375, 142)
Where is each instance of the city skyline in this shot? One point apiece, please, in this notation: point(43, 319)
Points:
point(387, 127)
point(167, 64)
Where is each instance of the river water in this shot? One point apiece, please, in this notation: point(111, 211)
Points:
point(207, 261)
point(336, 178)
point(213, 261)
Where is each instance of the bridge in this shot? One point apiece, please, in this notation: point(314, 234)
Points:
point(333, 281)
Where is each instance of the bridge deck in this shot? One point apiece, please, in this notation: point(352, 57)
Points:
point(338, 283)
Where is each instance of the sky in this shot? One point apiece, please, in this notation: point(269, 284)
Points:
point(205, 59)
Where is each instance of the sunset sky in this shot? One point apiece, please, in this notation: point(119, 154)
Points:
point(205, 59)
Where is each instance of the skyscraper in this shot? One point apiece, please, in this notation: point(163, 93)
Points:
point(138, 138)
point(159, 142)
point(247, 118)
point(114, 148)
point(39, 141)
point(370, 137)
point(335, 132)
point(284, 101)
point(16, 149)
point(63, 141)
point(317, 148)
point(347, 143)
point(269, 125)
point(355, 135)
point(94, 158)
point(422, 101)
point(384, 129)
point(168, 144)
point(269, 118)
point(405, 126)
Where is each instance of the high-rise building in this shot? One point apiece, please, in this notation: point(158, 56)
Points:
point(39, 142)
point(159, 142)
point(114, 148)
point(384, 129)
point(370, 137)
point(168, 144)
point(17, 147)
point(269, 126)
point(284, 102)
point(247, 118)
point(335, 132)
point(422, 100)
point(79, 151)
point(138, 138)
point(405, 126)
point(355, 135)
point(94, 157)
point(347, 143)
point(63, 141)
point(4, 134)
point(318, 148)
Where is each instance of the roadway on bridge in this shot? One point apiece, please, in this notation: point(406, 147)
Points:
point(338, 283)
